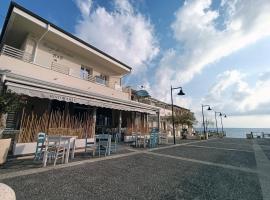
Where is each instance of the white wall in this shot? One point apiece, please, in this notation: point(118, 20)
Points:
point(30, 148)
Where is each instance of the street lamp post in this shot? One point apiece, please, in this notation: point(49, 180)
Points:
point(179, 93)
point(204, 131)
point(222, 122)
point(216, 120)
point(220, 114)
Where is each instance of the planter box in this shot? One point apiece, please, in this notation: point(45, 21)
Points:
point(4, 148)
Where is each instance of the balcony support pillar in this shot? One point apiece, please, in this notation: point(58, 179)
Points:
point(94, 115)
point(120, 122)
point(158, 120)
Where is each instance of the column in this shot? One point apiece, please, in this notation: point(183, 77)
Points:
point(147, 123)
point(1, 86)
point(120, 122)
point(132, 122)
point(158, 118)
point(94, 114)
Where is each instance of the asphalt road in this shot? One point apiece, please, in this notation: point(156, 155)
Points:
point(157, 175)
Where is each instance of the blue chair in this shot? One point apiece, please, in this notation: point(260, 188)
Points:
point(40, 146)
point(114, 141)
point(154, 137)
point(103, 144)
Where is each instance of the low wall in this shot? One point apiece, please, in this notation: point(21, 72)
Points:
point(30, 148)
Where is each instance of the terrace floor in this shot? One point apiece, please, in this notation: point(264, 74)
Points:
point(214, 169)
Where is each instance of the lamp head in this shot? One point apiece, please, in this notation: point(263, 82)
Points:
point(209, 108)
point(181, 92)
point(220, 114)
point(225, 116)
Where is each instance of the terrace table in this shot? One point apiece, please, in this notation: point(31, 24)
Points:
point(70, 144)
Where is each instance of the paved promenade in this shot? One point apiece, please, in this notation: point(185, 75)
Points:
point(214, 169)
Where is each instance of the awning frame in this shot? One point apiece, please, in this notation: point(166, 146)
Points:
point(69, 95)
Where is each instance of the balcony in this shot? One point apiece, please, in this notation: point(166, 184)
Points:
point(57, 67)
point(17, 53)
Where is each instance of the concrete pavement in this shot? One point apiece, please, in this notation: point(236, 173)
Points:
point(215, 169)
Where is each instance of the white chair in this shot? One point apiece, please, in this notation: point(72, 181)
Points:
point(90, 146)
point(140, 140)
point(54, 149)
point(61, 146)
point(163, 138)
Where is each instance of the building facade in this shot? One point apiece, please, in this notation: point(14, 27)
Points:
point(164, 115)
point(69, 86)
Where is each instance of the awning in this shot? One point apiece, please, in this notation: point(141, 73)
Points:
point(69, 96)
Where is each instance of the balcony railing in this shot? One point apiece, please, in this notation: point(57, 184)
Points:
point(60, 68)
point(17, 53)
point(87, 77)
point(27, 57)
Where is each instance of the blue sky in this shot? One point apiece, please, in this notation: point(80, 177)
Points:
point(217, 50)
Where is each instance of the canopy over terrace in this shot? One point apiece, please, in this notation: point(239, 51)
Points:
point(41, 89)
point(40, 114)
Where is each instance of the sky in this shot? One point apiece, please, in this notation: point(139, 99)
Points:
point(217, 50)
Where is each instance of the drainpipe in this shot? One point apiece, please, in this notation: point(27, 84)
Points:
point(43, 35)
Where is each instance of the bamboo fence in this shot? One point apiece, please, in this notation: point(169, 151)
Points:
point(55, 123)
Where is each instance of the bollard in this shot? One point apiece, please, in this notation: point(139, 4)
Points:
point(6, 192)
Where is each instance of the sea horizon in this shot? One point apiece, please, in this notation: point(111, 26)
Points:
point(239, 132)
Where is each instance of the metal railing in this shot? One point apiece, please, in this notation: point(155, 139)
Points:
point(101, 81)
point(87, 77)
point(17, 53)
point(60, 68)
point(27, 57)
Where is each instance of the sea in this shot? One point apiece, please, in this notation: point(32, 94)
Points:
point(240, 132)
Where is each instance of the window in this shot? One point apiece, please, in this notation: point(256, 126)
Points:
point(86, 72)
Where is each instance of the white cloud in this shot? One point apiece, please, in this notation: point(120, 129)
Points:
point(232, 93)
point(84, 6)
point(204, 36)
point(226, 80)
point(258, 99)
point(123, 33)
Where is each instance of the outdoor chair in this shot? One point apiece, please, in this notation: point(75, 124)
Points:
point(90, 146)
point(140, 140)
point(153, 140)
point(114, 142)
point(103, 144)
point(40, 146)
point(61, 146)
point(54, 149)
point(163, 138)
